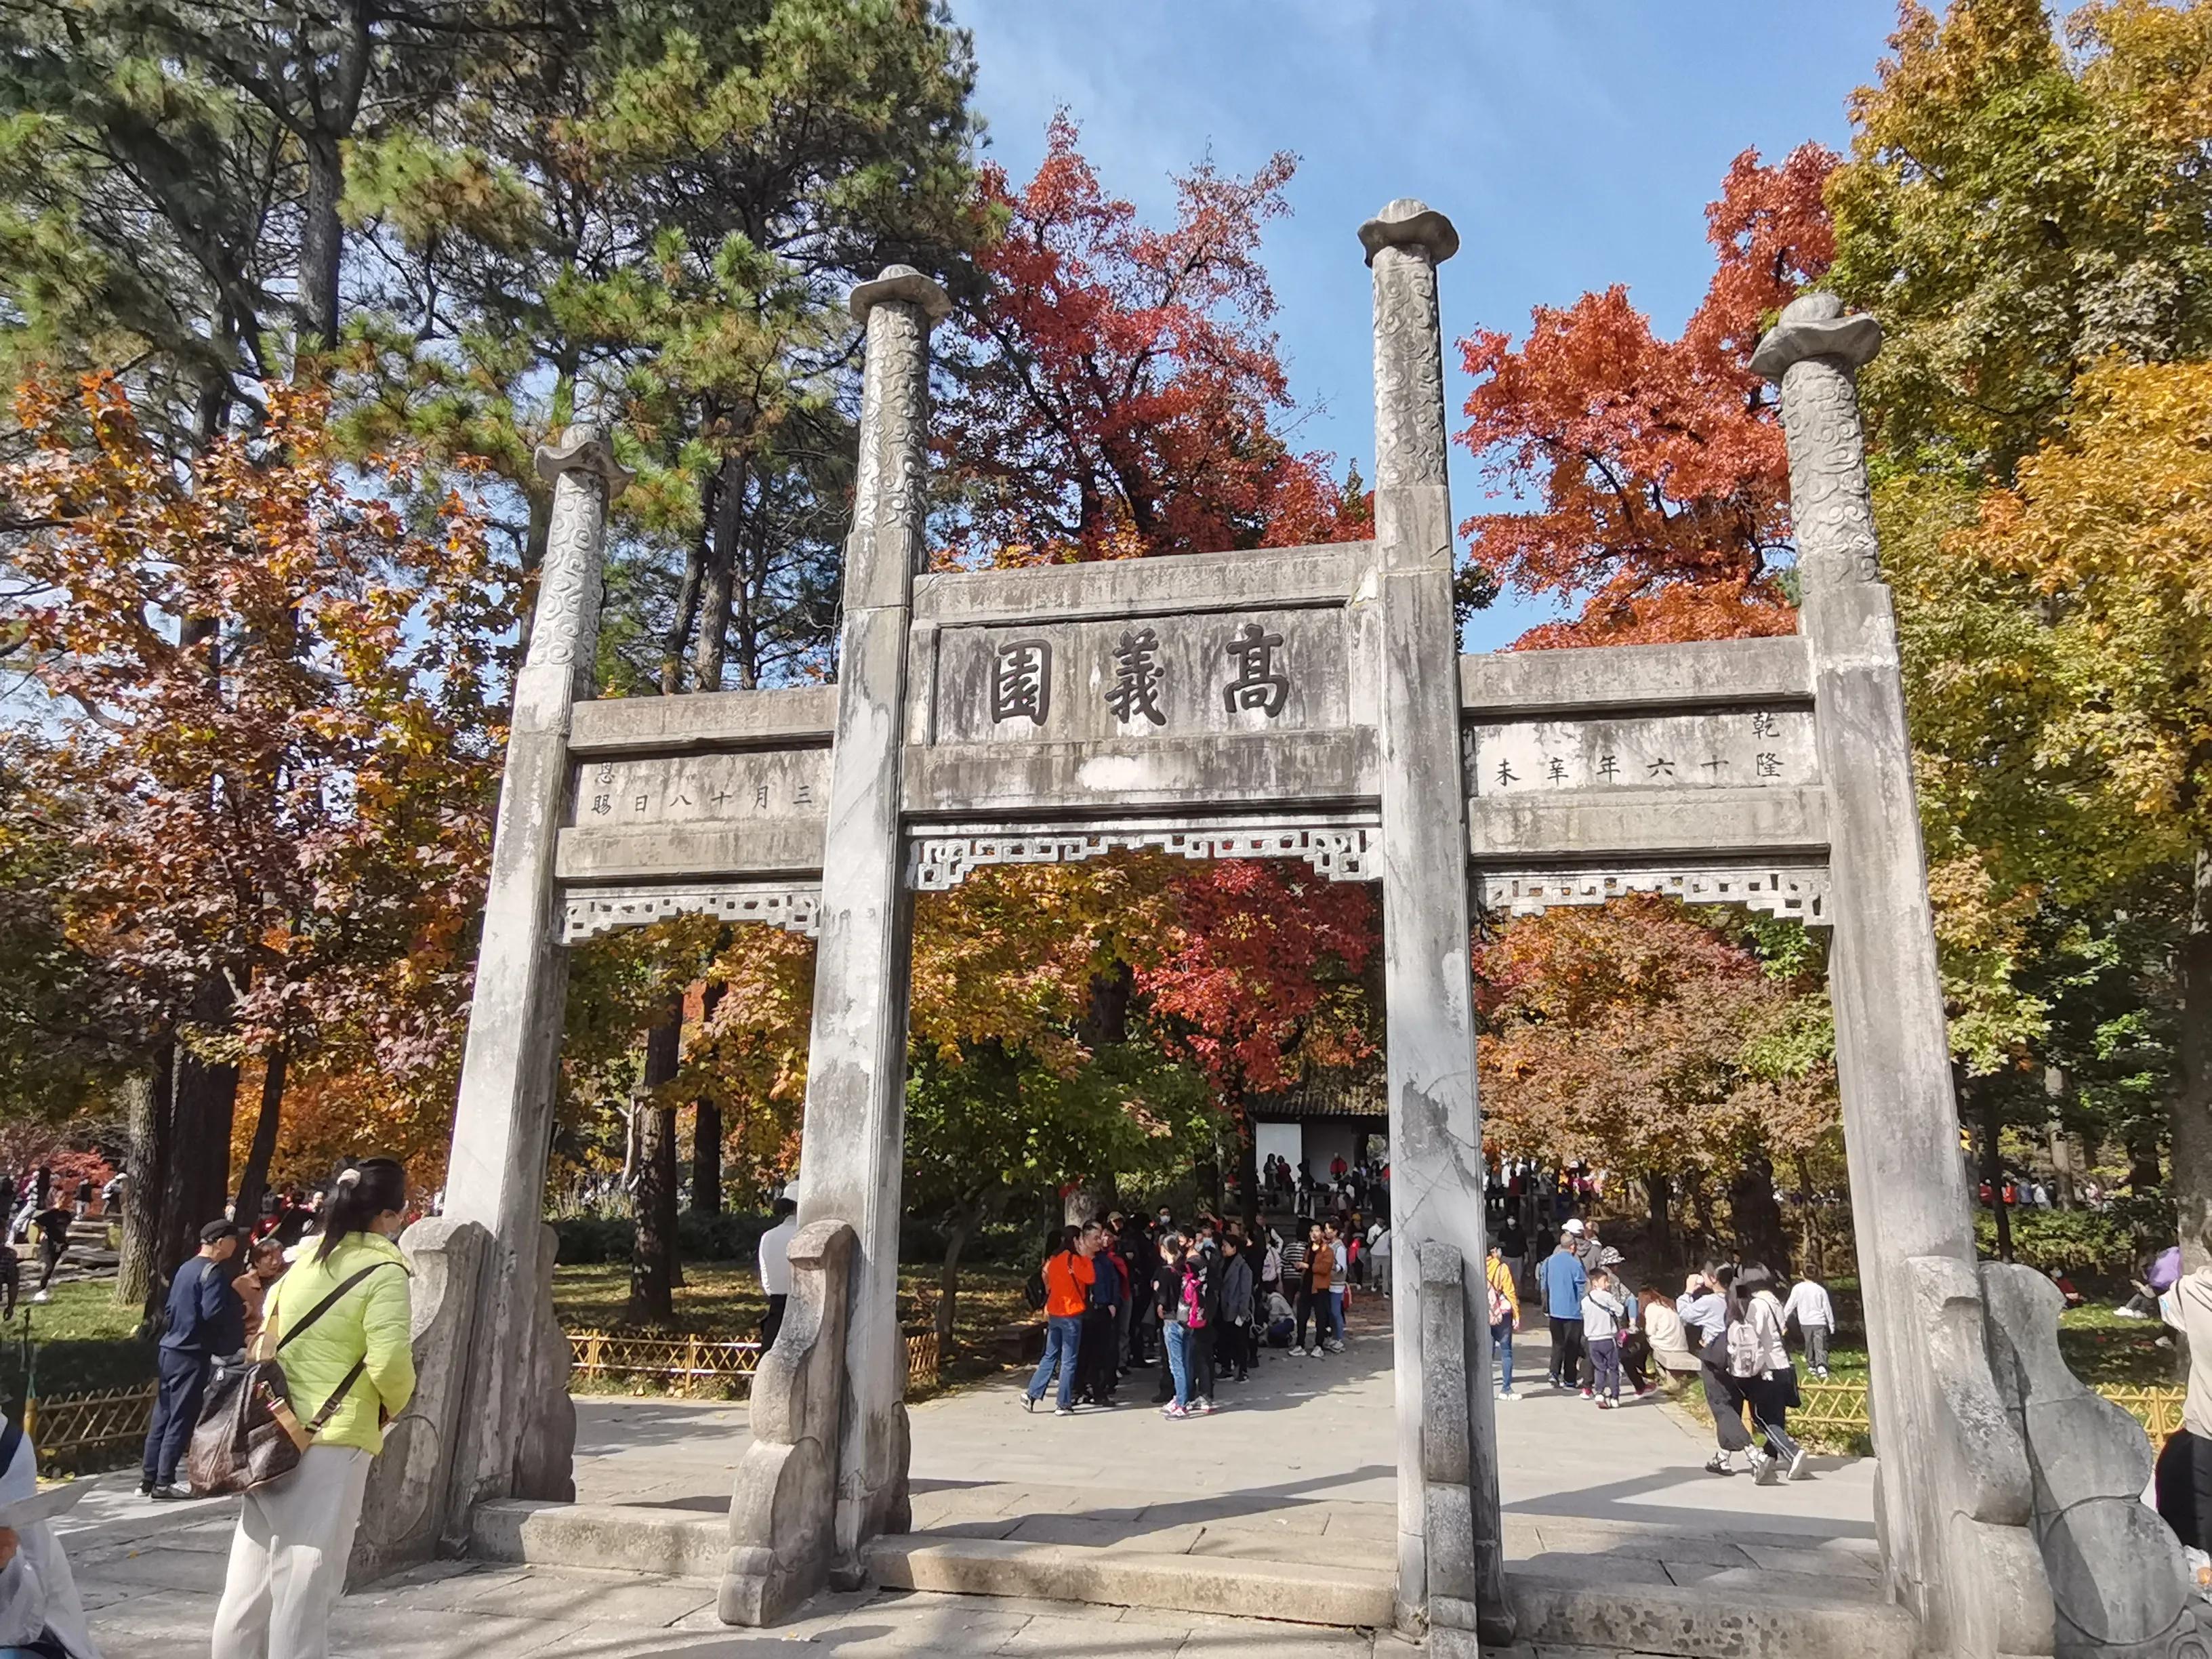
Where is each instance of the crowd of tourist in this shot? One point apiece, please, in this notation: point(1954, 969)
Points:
point(1198, 1305)
point(1728, 1333)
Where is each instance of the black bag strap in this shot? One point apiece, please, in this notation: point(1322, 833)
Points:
point(338, 1397)
point(328, 1301)
point(11, 1441)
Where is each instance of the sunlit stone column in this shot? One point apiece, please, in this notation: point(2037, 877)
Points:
point(1953, 1484)
point(1450, 1559)
point(503, 1128)
point(855, 1125)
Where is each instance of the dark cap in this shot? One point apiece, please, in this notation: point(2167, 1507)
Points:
point(215, 1232)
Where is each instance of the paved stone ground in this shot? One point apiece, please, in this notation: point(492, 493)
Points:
point(1295, 1466)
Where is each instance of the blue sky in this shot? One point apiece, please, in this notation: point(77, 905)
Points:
point(1574, 143)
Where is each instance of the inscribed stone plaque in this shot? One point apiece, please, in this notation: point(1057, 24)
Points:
point(726, 788)
point(1746, 748)
point(1140, 677)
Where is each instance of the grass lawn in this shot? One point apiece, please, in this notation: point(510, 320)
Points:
point(723, 1300)
point(85, 1311)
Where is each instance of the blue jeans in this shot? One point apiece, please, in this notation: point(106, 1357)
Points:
point(1063, 1334)
point(1336, 1312)
point(1501, 1342)
point(1178, 1338)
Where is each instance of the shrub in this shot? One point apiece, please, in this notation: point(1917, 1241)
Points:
point(2076, 1241)
point(591, 1239)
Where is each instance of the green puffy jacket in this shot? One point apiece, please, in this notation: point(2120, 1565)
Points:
point(373, 1321)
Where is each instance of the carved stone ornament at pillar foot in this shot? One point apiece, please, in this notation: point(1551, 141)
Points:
point(2000, 1600)
point(2118, 1579)
point(783, 1506)
point(405, 1504)
point(546, 1451)
point(583, 447)
point(1409, 223)
point(900, 282)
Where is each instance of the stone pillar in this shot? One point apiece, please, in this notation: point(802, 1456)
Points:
point(1436, 1140)
point(502, 1131)
point(854, 1131)
point(1954, 1488)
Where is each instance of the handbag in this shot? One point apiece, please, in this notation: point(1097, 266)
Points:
point(248, 1434)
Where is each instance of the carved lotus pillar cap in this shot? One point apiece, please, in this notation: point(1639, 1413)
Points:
point(1409, 223)
point(1814, 325)
point(900, 282)
point(583, 447)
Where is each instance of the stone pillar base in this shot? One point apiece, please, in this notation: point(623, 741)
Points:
point(783, 1506)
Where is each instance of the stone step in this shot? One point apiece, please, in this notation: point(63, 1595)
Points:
point(1700, 1621)
point(1298, 1592)
point(628, 1537)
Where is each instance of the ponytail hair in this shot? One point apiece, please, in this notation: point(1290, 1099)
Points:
point(363, 1191)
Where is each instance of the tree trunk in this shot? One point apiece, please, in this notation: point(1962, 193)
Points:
point(146, 1106)
point(1248, 1167)
point(707, 1160)
point(2192, 1104)
point(719, 574)
point(1658, 1194)
point(1816, 1259)
point(652, 1258)
point(1756, 1216)
point(1699, 1208)
point(322, 247)
point(196, 1176)
point(1990, 1110)
point(677, 640)
point(948, 1277)
point(707, 1124)
point(253, 1179)
point(337, 104)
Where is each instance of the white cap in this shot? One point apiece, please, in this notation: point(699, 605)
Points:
point(1574, 1225)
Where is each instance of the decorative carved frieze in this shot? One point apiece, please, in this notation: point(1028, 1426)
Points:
point(588, 913)
point(1339, 849)
point(1801, 891)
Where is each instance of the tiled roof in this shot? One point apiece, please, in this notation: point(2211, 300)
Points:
point(1358, 1092)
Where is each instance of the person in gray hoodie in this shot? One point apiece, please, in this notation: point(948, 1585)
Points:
point(1234, 1353)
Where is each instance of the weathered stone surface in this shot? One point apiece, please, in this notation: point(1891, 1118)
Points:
point(545, 1448)
point(783, 1506)
point(2119, 1581)
point(503, 1124)
point(1428, 983)
point(855, 1124)
point(676, 1543)
point(1655, 1618)
point(1296, 1592)
point(1702, 674)
point(404, 1508)
point(1650, 824)
point(1142, 588)
point(783, 714)
point(1955, 1493)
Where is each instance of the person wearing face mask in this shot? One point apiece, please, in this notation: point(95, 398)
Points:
point(288, 1558)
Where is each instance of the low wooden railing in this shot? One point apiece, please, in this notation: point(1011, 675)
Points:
point(1841, 1408)
point(78, 1433)
point(689, 1362)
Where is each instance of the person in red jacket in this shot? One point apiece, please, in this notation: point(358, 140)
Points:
point(1068, 1274)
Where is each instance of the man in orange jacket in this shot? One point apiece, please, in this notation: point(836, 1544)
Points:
point(1068, 1272)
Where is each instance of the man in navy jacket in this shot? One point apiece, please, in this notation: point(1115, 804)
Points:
point(205, 1323)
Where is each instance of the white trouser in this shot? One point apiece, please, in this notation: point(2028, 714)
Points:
point(288, 1558)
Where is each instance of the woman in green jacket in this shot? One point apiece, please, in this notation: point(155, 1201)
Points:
point(288, 1558)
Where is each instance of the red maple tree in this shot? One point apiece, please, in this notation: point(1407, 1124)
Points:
point(1657, 466)
point(1111, 389)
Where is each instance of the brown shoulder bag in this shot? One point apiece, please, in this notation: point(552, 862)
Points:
point(248, 1435)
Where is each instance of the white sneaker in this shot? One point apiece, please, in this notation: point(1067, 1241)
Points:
point(1765, 1469)
point(1507, 1393)
point(42, 1296)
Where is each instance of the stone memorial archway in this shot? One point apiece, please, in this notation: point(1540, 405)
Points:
point(1306, 702)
